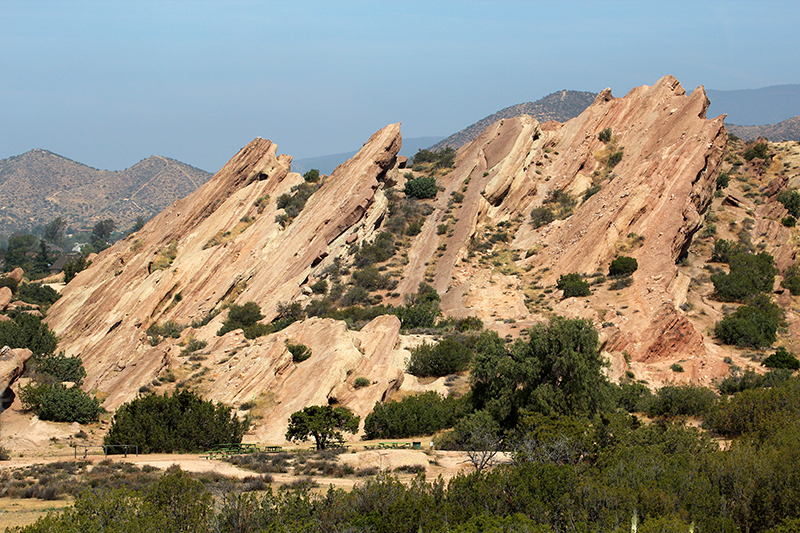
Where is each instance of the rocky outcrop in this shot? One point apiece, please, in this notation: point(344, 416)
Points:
point(221, 244)
point(12, 365)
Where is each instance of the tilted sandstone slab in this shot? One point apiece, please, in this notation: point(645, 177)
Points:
point(220, 244)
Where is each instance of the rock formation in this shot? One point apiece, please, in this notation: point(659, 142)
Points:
point(12, 365)
point(222, 244)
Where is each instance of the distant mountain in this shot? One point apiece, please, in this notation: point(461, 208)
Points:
point(326, 163)
point(560, 106)
point(787, 130)
point(768, 105)
point(39, 186)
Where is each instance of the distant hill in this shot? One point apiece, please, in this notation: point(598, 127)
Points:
point(326, 163)
point(768, 105)
point(39, 186)
point(560, 106)
point(787, 130)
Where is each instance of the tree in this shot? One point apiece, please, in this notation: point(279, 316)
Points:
point(323, 422)
point(54, 231)
point(782, 358)
point(73, 266)
point(749, 275)
point(18, 249)
point(101, 233)
point(558, 371)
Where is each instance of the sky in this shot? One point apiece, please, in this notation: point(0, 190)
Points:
point(110, 82)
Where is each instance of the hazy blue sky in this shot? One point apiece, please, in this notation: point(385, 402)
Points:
point(108, 83)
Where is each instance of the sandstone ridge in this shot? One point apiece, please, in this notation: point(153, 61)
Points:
point(222, 244)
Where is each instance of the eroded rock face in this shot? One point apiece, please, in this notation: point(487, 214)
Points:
point(12, 365)
point(183, 265)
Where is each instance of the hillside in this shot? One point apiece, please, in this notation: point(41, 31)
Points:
point(787, 130)
point(559, 106)
point(766, 105)
point(39, 186)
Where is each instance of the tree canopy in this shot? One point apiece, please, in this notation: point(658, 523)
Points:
point(322, 422)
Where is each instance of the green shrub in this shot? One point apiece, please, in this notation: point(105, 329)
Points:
point(360, 383)
point(758, 411)
point(789, 221)
point(37, 294)
point(541, 216)
point(791, 201)
point(623, 266)
point(753, 325)
point(444, 158)
point(591, 191)
point(724, 250)
point(377, 251)
point(60, 367)
point(421, 414)
point(757, 151)
point(604, 135)
point(749, 275)
point(169, 329)
point(300, 352)
point(420, 310)
point(58, 403)
point(371, 279)
point(791, 279)
point(681, 400)
point(573, 285)
point(241, 317)
point(11, 283)
point(27, 331)
point(613, 159)
point(292, 204)
point(312, 176)
point(421, 188)
point(723, 180)
point(319, 287)
point(675, 367)
point(183, 422)
point(741, 381)
point(445, 357)
point(782, 359)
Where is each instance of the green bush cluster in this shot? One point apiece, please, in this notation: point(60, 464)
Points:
point(791, 279)
point(782, 359)
point(300, 352)
point(444, 158)
point(604, 135)
point(749, 275)
point(447, 356)
point(169, 329)
point(420, 310)
point(421, 414)
point(724, 250)
point(759, 150)
point(244, 317)
point(294, 202)
point(541, 216)
point(27, 331)
point(622, 266)
point(573, 285)
point(182, 422)
point(58, 367)
point(740, 381)
point(59, 403)
point(378, 251)
point(38, 294)
point(421, 188)
point(754, 324)
point(723, 180)
point(791, 201)
point(680, 400)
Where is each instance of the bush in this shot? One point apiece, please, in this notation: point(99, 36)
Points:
point(27, 331)
point(157, 332)
point(753, 325)
point(573, 285)
point(749, 275)
point(422, 414)
point(741, 381)
point(241, 317)
point(791, 201)
point(60, 367)
point(723, 180)
point(623, 266)
point(724, 250)
point(183, 422)
point(680, 400)
point(58, 403)
point(421, 188)
point(789, 221)
point(541, 216)
point(604, 135)
point(445, 357)
point(782, 359)
point(420, 310)
point(360, 382)
point(73, 266)
point(791, 279)
point(378, 251)
point(312, 176)
point(37, 294)
point(757, 151)
point(300, 352)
